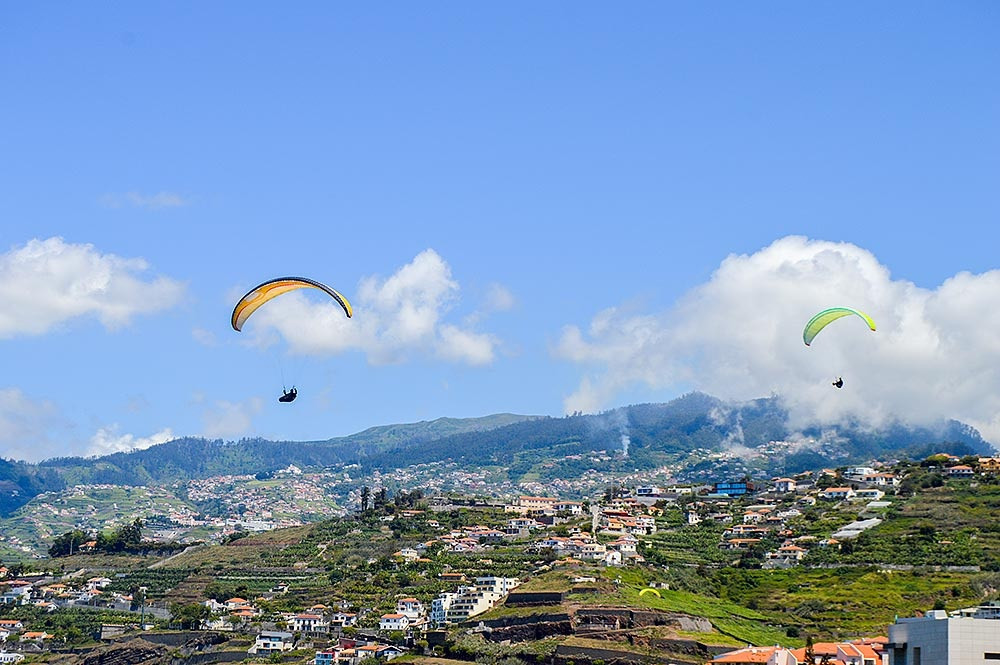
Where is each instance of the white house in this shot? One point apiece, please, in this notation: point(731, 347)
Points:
point(612, 558)
point(859, 471)
point(571, 507)
point(469, 601)
point(784, 485)
point(408, 553)
point(378, 651)
point(440, 607)
point(271, 641)
point(838, 493)
point(394, 622)
point(624, 546)
point(868, 494)
point(11, 625)
point(411, 607)
point(345, 619)
point(499, 585)
point(309, 623)
point(97, 583)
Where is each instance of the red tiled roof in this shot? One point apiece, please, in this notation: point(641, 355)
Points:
point(750, 655)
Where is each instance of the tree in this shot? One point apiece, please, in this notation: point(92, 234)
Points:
point(189, 616)
point(131, 534)
point(68, 543)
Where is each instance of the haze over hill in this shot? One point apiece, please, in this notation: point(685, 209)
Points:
point(752, 437)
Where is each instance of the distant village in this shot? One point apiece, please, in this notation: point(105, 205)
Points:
point(608, 533)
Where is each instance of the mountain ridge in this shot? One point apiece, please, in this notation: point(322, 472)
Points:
point(698, 434)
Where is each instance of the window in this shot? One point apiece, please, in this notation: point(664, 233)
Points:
point(916, 656)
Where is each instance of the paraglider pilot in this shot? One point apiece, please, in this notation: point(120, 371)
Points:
point(838, 383)
point(288, 395)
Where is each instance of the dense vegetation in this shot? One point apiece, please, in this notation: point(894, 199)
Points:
point(125, 539)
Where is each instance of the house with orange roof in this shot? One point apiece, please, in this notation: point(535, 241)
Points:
point(785, 556)
point(411, 607)
point(989, 464)
point(828, 653)
point(534, 504)
point(739, 543)
point(309, 623)
point(784, 485)
point(750, 656)
point(882, 479)
point(845, 652)
point(394, 621)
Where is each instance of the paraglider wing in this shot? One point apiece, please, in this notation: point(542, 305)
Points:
point(650, 590)
point(270, 290)
point(828, 316)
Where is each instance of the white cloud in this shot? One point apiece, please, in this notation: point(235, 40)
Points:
point(148, 201)
point(47, 282)
point(229, 419)
point(499, 298)
point(394, 319)
point(204, 337)
point(460, 345)
point(26, 426)
point(107, 440)
point(739, 336)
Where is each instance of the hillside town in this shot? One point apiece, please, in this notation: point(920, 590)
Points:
point(770, 525)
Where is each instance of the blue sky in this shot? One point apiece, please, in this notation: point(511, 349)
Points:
point(564, 181)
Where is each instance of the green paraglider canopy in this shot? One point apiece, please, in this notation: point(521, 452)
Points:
point(828, 316)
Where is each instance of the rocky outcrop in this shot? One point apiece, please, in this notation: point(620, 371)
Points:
point(132, 652)
point(604, 618)
point(529, 632)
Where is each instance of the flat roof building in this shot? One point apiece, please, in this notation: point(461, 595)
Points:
point(966, 637)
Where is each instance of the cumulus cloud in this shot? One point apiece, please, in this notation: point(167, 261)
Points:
point(26, 425)
point(226, 419)
point(108, 440)
point(148, 201)
point(47, 282)
point(394, 319)
point(739, 336)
